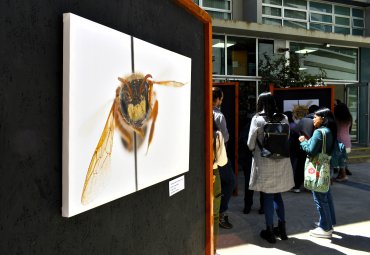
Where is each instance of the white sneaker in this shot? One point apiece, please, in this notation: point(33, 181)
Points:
point(295, 190)
point(217, 253)
point(319, 232)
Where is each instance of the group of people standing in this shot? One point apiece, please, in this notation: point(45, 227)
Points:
point(271, 177)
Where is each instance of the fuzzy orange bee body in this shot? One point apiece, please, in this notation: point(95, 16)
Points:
point(133, 108)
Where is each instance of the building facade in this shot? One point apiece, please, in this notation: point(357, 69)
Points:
point(333, 36)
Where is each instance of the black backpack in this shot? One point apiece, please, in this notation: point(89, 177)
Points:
point(275, 142)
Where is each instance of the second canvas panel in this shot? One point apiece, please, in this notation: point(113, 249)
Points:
point(168, 153)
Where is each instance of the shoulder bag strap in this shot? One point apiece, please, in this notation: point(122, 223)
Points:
point(323, 148)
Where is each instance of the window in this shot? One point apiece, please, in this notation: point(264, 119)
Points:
point(218, 4)
point(342, 21)
point(314, 15)
point(220, 9)
point(341, 10)
point(321, 18)
point(297, 4)
point(271, 11)
point(265, 47)
point(320, 7)
point(269, 21)
point(295, 24)
point(241, 56)
point(234, 56)
point(295, 14)
point(358, 23)
point(321, 27)
point(358, 32)
point(219, 15)
point(339, 63)
point(357, 13)
point(218, 54)
point(238, 58)
point(342, 30)
point(274, 2)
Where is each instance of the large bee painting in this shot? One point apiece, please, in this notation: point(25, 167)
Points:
point(126, 114)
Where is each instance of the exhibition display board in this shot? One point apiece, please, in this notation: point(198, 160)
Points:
point(139, 210)
point(287, 98)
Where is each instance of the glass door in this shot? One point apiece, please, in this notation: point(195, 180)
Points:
point(352, 103)
point(358, 101)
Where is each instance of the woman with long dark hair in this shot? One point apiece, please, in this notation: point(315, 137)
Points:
point(343, 119)
point(219, 159)
point(323, 121)
point(270, 176)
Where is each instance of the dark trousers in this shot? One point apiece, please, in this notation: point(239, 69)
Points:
point(248, 194)
point(227, 185)
point(298, 167)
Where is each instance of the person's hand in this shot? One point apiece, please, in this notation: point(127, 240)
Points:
point(302, 138)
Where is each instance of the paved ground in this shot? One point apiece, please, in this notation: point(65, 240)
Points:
point(351, 235)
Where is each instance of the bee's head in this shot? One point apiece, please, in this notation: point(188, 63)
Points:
point(133, 97)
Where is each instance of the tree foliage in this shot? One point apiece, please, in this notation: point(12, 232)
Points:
point(284, 72)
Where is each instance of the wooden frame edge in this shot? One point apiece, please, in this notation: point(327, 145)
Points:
point(204, 17)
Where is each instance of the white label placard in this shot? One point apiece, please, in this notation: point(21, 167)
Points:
point(176, 185)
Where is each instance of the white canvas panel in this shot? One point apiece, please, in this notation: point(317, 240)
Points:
point(168, 154)
point(290, 104)
point(94, 57)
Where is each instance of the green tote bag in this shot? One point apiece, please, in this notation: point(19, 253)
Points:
point(317, 170)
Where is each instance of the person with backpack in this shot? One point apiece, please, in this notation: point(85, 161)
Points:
point(271, 167)
point(323, 121)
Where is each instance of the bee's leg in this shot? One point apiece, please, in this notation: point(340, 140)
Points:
point(153, 116)
point(125, 134)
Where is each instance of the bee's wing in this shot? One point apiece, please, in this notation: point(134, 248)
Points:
point(169, 83)
point(100, 162)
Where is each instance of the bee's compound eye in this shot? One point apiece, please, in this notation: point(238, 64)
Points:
point(125, 94)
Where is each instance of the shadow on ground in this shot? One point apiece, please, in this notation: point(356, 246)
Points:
point(352, 206)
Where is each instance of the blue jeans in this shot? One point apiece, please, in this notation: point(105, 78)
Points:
point(273, 201)
point(227, 185)
point(325, 207)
